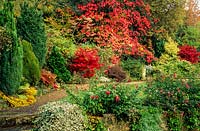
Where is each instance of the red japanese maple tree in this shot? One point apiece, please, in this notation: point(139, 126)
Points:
point(189, 53)
point(85, 62)
point(116, 24)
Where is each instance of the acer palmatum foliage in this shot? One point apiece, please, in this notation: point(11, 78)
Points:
point(116, 24)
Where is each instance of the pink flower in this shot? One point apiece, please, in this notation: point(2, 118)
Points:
point(108, 93)
point(117, 98)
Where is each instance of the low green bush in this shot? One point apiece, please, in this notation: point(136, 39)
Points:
point(105, 99)
point(60, 116)
point(132, 66)
point(150, 120)
point(31, 68)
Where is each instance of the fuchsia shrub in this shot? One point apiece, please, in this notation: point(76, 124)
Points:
point(189, 53)
point(85, 62)
point(116, 24)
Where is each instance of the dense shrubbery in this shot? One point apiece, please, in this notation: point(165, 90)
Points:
point(85, 61)
point(116, 99)
point(104, 23)
point(179, 97)
point(133, 66)
point(11, 53)
point(30, 27)
point(189, 53)
point(169, 63)
point(57, 64)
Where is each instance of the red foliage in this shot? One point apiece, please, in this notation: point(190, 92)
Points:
point(48, 78)
point(86, 61)
point(189, 53)
point(116, 24)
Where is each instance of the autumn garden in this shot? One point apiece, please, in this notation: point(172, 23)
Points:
point(139, 60)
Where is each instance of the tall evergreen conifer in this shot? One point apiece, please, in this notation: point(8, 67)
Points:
point(11, 52)
point(30, 27)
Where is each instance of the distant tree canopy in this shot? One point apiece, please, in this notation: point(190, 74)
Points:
point(192, 12)
point(170, 13)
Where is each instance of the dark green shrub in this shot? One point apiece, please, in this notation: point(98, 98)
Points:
point(57, 64)
point(158, 47)
point(11, 54)
point(132, 66)
point(31, 69)
point(30, 26)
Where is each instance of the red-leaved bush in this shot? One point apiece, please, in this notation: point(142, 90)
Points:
point(48, 78)
point(85, 62)
point(189, 53)
point(116, 24)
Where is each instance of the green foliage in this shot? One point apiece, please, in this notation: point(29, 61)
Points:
point(150, 120)
point(189, 35)
point(31, 69)
point(132, 66)
point(11, 58)
point(5, 40)
point(177, 96)
point(30, 26)
point(158, 46)
point(66, 44)
point(96, 124)
point(170, 14)
point(169, 63)
point(115, 99)
point(57, 64)
point(60, 116)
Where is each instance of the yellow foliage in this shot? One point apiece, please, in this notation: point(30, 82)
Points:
point(19, 102)
point(31, 91)
point(171, 51)
point(171, 47)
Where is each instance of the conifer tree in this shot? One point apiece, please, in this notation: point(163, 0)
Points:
point(30, 26)
point(11, 52)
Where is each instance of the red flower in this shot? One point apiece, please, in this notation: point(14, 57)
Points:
point(108, 93)
point(94, 97)
point(117, 98)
